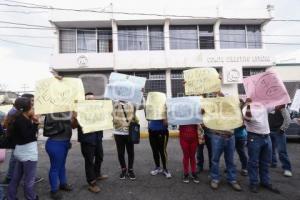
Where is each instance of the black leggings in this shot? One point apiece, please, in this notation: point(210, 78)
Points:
point(123, 142)
point(159, 141)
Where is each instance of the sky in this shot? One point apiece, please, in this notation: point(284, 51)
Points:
point(21, 66)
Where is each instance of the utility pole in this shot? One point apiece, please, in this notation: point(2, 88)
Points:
point(24, 87)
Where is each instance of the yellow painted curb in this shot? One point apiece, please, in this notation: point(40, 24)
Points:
point(173, 134)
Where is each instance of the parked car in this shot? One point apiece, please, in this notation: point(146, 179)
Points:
point(293, 132)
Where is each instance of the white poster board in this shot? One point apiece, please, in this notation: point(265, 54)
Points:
point(296, 101)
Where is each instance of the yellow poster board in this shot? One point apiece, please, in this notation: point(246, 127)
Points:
point(156, 106)
point(5, 108)
point(201, 80)
point(53, 95)
point(222, 113)
point(95, 115)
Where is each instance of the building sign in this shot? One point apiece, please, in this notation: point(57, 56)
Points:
point(82, 61)
point(232, 75)
point(237, 59)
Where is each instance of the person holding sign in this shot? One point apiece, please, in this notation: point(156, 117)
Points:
point(92, 151)
point(58, 129)
point(158, 131)
point(123, 115)
point(188, 137)
point(259, 146)
point(222, 141)
point(158, 137)
point(279, 121)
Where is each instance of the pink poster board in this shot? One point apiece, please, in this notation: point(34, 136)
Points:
point(266, 88)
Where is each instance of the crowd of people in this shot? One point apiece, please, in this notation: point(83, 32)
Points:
point(257, 143)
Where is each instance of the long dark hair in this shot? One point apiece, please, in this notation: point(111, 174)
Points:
point(22, 104)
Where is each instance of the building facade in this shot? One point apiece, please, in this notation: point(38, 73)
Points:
point(159, 49)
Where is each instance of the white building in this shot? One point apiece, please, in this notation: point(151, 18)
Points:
point(160, 48)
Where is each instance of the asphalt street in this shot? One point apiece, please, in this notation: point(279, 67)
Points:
point(147, 187)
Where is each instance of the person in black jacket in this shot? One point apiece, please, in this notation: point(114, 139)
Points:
point(23, 127)
point(92, 151)
point(279, 122)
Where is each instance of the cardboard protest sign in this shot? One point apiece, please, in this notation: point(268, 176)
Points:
point(201, 80)
point(95, 115)
point(296, 101)
point(156, 106)
point(266, 88)
point(2, 99)
point(125, 88)
point(222, 113)
point(53, 95)
point(139, 82)
point(184, 110)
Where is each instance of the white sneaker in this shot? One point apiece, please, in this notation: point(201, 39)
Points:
point(167, 174)
point(287, 173)
point(156, 171)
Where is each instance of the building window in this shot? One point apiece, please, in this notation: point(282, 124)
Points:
point(156, 37)
point(252, 71)
point(206, 37)
point(86, 41)
point(177, 83)
point(156, 80)
point(183, 37)
point(67, 41)
point(254, 37)
point(105, 42)
point(233, 37)
point(132, 38)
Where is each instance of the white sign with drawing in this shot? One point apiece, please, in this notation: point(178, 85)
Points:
point(124, 87)
point(184, 110)
point(296, 101)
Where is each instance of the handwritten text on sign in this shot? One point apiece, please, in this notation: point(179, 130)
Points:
point(201, 80)
point(53, 95)
point(266, 88)
point(222, 113)
point(156, 106)
point(95, 115)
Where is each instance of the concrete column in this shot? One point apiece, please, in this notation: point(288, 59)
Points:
point(115, 40)
point(168, 83)
point(217, 34)
point(167, 34)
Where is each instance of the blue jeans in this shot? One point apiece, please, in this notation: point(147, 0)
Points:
point(11, 166)
point(240, 146)
point(57, 151)
point(259, 152)
point(279, 143)
point(1, 193)
point(219, 145)
point(27, 170)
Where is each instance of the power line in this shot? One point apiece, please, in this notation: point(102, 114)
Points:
point(29, 36)
point(25, 44)
point(36, 6)
point(187, 39)
point(29, 28)
point(39, 6)
point(49, 27)
point(22, 12)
